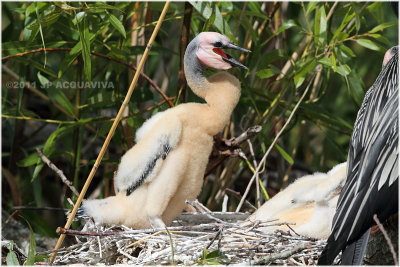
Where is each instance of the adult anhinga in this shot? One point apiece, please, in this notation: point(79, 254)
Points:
point(167, 165)
point(373, 168)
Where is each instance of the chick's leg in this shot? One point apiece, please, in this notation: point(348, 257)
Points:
point(156, 222)
point(163, 188)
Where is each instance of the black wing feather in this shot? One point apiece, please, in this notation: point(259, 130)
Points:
point(373, 145)
point(149, 168)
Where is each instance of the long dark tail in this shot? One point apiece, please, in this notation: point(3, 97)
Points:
point(353, 254)
point(329, 253)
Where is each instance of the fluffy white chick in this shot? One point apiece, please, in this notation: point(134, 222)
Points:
point(309, 202)
point(167, 165)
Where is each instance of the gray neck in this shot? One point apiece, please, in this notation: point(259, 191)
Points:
point(194, 70)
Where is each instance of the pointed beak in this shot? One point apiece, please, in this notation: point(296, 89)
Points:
point(227, 58)
point(232, 46)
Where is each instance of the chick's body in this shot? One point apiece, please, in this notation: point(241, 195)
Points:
point(180, 175)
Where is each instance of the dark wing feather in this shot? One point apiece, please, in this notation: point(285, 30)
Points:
point(142, 163)
point(372, 175)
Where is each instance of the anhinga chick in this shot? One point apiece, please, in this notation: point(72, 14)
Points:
point(166, 166)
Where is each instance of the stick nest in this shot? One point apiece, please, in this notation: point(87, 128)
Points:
point(209, 238)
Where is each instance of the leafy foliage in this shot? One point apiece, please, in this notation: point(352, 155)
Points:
point(67, 67)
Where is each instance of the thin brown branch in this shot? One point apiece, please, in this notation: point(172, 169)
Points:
point(239, 196)
point(147, 78)
point(354, 19)
point(389, 242)
point(182, 86)
point(39, 208)
point(57, 171)
point(257, 176)
point(12, 182)
point(62, 230)
point(249, 133)
point(224, 149)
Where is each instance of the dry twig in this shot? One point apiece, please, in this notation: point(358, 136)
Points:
point(57, 171)
point(149, 246)
point(281, 255)
point(389, 242)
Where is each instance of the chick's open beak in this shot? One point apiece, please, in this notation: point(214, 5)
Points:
point(227, 58)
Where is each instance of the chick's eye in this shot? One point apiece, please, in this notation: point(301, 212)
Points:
point(218, 44)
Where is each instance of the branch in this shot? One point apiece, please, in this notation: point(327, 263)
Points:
point(224, 149)
point(182, 85)
point(65, 231)
point(39, 208)
point(387, 239)
point(58, 171)
point(12, 182)
point(237, 195)
point(249, 133)
point(152, 83)
point(282, 255)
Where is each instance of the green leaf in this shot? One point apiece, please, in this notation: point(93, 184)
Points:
point(37, 170)
point(103, 5)
point(45, 21)
point(79, 17)
point(117, 25)
point(254, 6)
point(380, 38)
point(20, 92)
point(343, 70)
point(70, 58)
point(283, 153)
point(347, 18)
point(32, 247)
point(358, 19)
point(57, 95)
point(271, 57)
point(325, 61)
point(41, 32)
point(369, 44)
point(311, 6)
point(320, 26)
point(29, 160)
point(383, 26)
point(266, 73)
point(203, 8)
point(303, 71)
point(264, 192)
point(355, 88)
point(38, 66)
point(43, 80)
point(215, 257)
point(221, 24)
point(37, 192)
point(85, 43)
point(50, 142)
point(287, 25)
point(12, 259)
point(347, 50)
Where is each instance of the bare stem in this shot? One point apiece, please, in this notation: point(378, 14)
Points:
point(389, 242)
point(57, 171)
point(282, 255)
